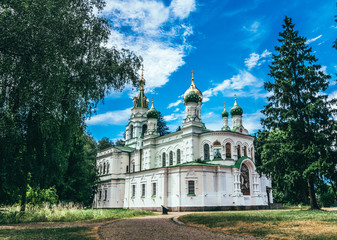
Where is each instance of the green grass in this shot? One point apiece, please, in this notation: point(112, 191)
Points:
point(69, 233)
point(289, 224)
point(64, 213)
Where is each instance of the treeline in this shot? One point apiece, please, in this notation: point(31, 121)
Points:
point(54, 68)
point(297, 147)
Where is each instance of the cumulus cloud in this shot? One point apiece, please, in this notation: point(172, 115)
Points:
point(175, 103)
point(235, 84)
point(313, 39)
point(154, 31)
point(119, 117)
point(256, 59)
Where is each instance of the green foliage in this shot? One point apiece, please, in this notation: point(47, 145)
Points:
point(162, 128)
point(39, 196)
point(54, 69)
point(68, 212)
point(120, 142)
point(104, 143)
point(299, 145)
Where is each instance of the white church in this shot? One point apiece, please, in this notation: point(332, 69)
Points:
point(194, 169)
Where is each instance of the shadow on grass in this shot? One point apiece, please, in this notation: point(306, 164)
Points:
point(64, 233)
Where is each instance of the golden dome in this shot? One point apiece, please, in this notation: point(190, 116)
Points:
point(193, 88)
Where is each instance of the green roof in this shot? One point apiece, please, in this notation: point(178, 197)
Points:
point(152, 113)
point(125, 148)
point(236, 111)
point(238, 162)
point(192, 97)
point(224, 114)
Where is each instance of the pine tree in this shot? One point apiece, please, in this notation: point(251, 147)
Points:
point(298, 115)
point(162, 128)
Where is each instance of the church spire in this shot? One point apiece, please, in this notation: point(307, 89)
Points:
point(141, 101)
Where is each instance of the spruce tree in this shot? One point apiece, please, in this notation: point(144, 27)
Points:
point(298, 115)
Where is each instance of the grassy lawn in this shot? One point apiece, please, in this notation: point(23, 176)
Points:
point(69, 233)
point(274, 224)
point(80, 223)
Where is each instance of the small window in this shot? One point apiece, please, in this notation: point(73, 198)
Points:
point(144, 128)
point(154, 189)
point(191, 188)
point(131, 131)
point(245, 151)
point(178, 156)
point(100, 195)
point(133, 191)
point(127, 168)
point(143, 190)
point(206, 152)
point(164, 160)
point(171, 158)
point(133, 167)
point(104, 168)
point(105, 194)
point(228, 150)
point(239, 151)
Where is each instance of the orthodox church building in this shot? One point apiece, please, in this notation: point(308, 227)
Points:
point(191, 169)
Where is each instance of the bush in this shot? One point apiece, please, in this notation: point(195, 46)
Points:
point(326, 199)
point(39, 196)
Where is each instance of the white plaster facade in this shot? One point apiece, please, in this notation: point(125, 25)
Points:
point(176, 170)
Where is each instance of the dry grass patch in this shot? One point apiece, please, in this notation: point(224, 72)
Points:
point(270, 224)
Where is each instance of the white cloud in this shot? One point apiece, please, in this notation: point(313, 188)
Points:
point(313, 39)
point(236, 84)
point(182, 8)
point(177, 110)
point(154, 31)
point(252, 122)
point(253, 28)
point(170, 117)
point(323, 69)
point(256, 59)
point(175, 103)
point(119, 117)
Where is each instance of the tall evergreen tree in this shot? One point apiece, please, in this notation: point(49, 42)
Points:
point(298, 115)
point(104, 143)
point(162, 128)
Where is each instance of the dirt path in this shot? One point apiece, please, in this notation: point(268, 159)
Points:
point(158, 227)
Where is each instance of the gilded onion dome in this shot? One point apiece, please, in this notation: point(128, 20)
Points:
point(224, 113)
point(152, 113)
point(236, 109)
point(189, 96)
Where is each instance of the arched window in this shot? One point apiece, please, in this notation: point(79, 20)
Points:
point(131, 131)
point(206, 152)
point(100, 169)
point(104, 168)
point(228, 150)
point(144, 129)
point(245, 151)
point(171, 158)
point(239, 151)
point(178, 156)
point(164, 160)
point(244, 180)
point(107, 168)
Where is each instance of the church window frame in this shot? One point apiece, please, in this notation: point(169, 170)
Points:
point(239, 151)
point(228, 148)
point(100, 195)
point(154, 189)
point(127, 168)
point(131, 131)
point(144, 129)
point(171, 158)
point(206, 152)
point(191, 188)
point(105, 194)
point(245, 180)
point(164, 159)
point(143, 190)
point(178, 156)
point(133, 190)
point(245, 151)
point(217, 150)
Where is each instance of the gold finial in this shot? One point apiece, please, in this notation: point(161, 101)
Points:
point(224, 105)
point(152, 102)
point(192, 74)
point(235, 104)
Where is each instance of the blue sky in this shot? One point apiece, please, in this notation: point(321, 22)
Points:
point(229, 45)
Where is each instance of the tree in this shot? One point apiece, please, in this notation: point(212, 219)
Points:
point(298, 115)
point(104, 143)
point(54, 68)
point(120, 142)
point(162, 128)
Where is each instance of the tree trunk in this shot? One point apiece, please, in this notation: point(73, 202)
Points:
point(313, 201)
point(23, 198)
